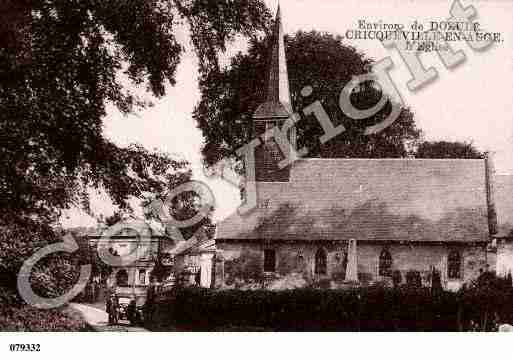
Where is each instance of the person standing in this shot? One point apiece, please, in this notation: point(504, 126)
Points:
point(108, 307)
point(115, 309)
point(131, 311)
point(150, 301)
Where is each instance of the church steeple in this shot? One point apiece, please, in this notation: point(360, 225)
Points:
point(274, 112)
point(277, 97)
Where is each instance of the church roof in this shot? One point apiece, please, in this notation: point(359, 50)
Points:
point(369, 200)
point(277, 99)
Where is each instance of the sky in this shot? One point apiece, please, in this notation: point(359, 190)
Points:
point(472, 102)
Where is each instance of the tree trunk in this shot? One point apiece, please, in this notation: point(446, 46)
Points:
point(458, 315)
point(485, 321)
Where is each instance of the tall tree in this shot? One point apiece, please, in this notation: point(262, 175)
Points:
point(320, 60)
point(61, 63)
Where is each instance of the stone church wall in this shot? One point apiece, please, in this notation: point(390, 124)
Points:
point(241, 265)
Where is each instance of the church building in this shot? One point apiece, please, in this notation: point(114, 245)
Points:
point(334, 223)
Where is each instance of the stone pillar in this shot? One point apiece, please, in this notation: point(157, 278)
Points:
point(219, 270)
point(352, 261)
point(206, 269)
point(147, 280)
point(504, 263)
point(490, 178)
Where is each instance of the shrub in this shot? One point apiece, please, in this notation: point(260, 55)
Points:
point(397, 278)
point(436, 281)
point(366, 309)
point(30, 319)
point(15, 316)
point(486, 302)
point(52, 276)
point(509, 279)
point(413, 279)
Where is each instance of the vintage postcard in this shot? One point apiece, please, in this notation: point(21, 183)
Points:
point(254, 166)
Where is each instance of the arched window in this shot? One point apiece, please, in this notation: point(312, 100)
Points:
point(344, 263)
point(142, 277)
point(454, 265)
point(269, 260)
point(273, 152)
point(197, 278)
point(385, 264)
point(122, 278)
point(321, 262)
point(113, 252)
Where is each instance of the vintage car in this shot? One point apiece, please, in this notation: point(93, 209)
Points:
point(123, 305)
point(137, 318)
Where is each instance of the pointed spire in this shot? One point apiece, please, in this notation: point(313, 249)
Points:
point(277, 97)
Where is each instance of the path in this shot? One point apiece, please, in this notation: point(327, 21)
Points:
point(98, 320)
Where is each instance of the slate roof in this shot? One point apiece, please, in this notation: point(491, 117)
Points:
point(272, 109)
point(369, 200)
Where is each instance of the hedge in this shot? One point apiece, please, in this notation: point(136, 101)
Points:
point(362, 309)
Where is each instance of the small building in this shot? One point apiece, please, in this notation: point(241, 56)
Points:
point(194, 262)
point(188, 263)
point(133, 278)
point(338, 222)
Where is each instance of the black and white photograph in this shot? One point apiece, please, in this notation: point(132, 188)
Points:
point(254, 166)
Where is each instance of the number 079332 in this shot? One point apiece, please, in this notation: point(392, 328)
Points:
point(24, 347)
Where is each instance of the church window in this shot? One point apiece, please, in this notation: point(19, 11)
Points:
point(269, 260)
point(142, 277)
point(321, 262)
point(385, 264)
point(344, 264)
point(273, 149)
point(454, 265)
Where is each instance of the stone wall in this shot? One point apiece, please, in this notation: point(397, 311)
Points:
point(504, 257)
point(240, 265)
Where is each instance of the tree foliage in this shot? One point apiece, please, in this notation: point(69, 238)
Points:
point(444, 149)
point(321, 60)
point(61, 63)
point(53, 275)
